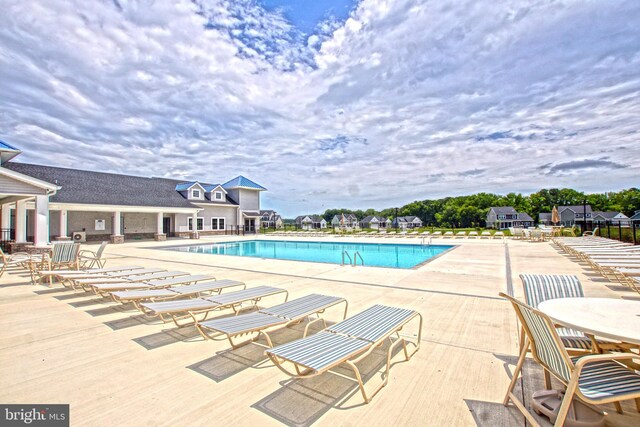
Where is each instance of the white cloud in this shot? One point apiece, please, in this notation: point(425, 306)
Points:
point(404, 100)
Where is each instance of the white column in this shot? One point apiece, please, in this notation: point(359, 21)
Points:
point(159, 223)
point(6, 216)
point(116, 224)
point(194, 227)
point(21, 221)
point(63, 224)
point(41, 221)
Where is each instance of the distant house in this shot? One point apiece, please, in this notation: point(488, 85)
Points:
point(635, 217)
point(346, 220)
point(270, 219)
point(405, 222)
point(544, 218)
point(310, 222)
point(570, 215)
point(375, 222)
point(614, 218)
point(501, 217)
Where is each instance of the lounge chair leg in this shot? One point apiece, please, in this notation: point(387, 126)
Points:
point(618, 407)
point(547, 379)
point(638, 404)
point(356, 371)
point(566, 401)
point(516, 372)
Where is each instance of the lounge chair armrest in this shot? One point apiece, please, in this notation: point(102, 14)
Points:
point(604, 357)
point(87, 251)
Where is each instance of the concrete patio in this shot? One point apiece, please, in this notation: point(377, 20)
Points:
point(115, 367)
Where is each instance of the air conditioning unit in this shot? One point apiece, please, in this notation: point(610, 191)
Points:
point(79, 236)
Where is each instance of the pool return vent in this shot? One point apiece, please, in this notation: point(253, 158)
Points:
point(353, 261)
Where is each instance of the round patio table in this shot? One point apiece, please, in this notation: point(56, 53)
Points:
point(616, 319)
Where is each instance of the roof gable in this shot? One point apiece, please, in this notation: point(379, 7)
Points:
point(242, 182)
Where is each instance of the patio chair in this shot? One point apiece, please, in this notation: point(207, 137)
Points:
point(91, 259)
point(498, 235)
point(63, 255)
point(269, 320)
point(348, 342)
point(486, 234)
point(447, 235)
point(542, 287)
point(179, 310)
point(436, 234)
point(193, 289)
point(594, 379)
point(19, 259)
point(461, 235)
point(472, 235)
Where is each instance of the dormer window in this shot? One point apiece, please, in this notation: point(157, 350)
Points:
point(195, 194)
point(217, 195)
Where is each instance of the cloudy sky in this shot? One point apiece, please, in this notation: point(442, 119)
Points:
point(330, 103)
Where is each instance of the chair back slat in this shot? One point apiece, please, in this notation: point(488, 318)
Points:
point(65, 252)
point(542, 287)
point(101, 249)
point(546, 347)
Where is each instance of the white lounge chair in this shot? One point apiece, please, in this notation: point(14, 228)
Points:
point(268, 320)
point(347, 343)
point(187, 312)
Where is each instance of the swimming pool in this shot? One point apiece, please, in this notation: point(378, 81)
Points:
point(376, 255)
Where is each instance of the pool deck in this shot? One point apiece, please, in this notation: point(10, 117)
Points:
point(114, 367)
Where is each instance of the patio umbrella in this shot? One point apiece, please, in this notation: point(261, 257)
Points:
point(555, 216)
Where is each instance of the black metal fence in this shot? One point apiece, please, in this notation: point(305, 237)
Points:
point(7, 235)
point(628, 233)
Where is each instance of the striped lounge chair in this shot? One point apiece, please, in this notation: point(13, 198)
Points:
point(154, 280)
point(542, 287)
point(115, 277)
point(594, 379)
point(268, 320)
point(186, 312)
point(348, 342)
point(66, 276)
point(188, 286)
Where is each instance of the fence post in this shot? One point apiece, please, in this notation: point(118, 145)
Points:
point(620, 231)
point(633, 232)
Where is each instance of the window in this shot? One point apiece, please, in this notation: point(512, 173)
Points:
point(218, 195)
point(217, 223)
point(195, 194)
point(200, 224)
point(502, 217)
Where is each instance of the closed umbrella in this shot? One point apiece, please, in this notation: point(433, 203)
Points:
point(555, 216)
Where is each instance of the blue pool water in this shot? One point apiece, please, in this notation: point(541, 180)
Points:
point(376, 255)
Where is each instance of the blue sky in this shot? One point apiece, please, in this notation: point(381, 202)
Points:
point(307, 14)
point(362, 104)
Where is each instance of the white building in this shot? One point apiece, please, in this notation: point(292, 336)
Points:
point(43, 203)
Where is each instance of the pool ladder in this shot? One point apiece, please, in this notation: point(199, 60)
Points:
point(428, 239)
point(352, 261)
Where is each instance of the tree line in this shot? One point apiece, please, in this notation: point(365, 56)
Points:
point(471, 211)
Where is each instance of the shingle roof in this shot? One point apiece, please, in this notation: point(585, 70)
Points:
point(575, 208)
point(503, 210)
point(607, 215)
point(523, 216)
point(242, 182)
point(98, 188)
point(635, 216)
point(544, 216)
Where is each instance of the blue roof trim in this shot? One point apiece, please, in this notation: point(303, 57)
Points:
point(210, 187)
point(5, 146)
point(241, 181)
point(185, 185)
